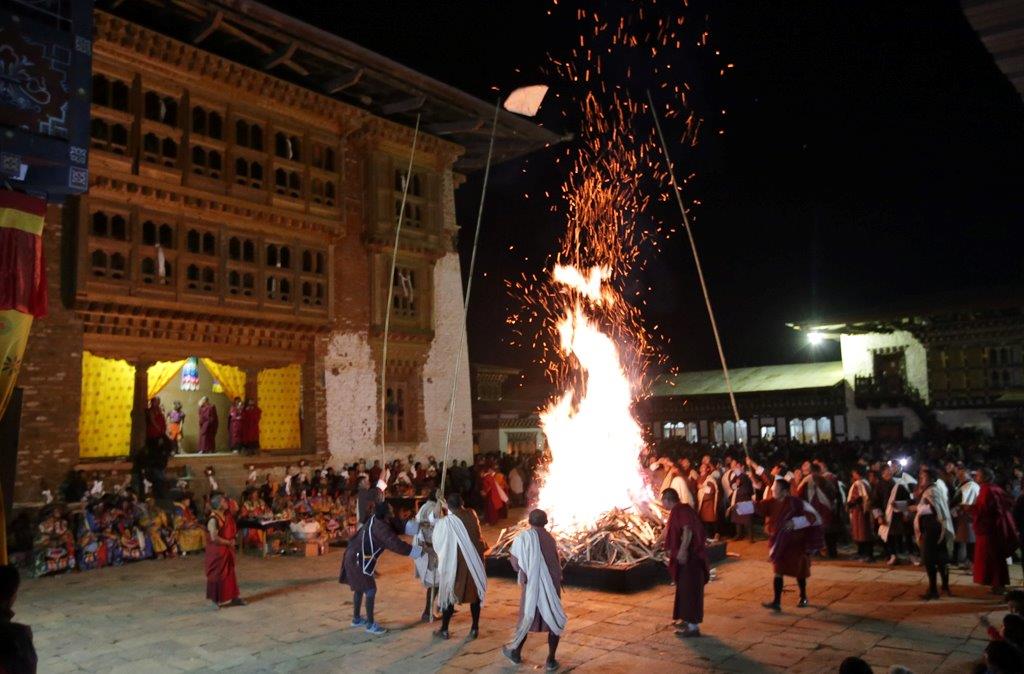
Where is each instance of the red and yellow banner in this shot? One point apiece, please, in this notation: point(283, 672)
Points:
point(22, 281)
point(22, 294)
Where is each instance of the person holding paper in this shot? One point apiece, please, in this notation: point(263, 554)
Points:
point(858, 504)
point(795, 533)
point(741, 501)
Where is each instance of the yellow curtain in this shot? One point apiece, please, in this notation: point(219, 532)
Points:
point(280, 398)
point(105, 422)
point(230, 377)
point(161, 374)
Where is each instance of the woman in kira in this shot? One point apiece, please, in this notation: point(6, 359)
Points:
point(135, 545)
point(158, 527)
point(190, 533)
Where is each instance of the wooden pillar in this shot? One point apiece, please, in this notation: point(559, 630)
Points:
point(251, 383)
point(140, 401)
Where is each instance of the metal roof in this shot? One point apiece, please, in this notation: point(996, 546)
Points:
point(265, 39)
point(1000, 25)
point(752, 379)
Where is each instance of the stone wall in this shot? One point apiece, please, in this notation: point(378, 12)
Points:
point(51, 378)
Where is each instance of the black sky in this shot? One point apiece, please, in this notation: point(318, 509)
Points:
point(872, 152)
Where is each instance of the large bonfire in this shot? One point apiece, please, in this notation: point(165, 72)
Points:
point(593, 488)
point(591, 339)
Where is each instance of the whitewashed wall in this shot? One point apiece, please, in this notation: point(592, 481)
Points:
point(857, 356)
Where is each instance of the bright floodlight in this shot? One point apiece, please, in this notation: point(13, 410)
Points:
point(815, 338)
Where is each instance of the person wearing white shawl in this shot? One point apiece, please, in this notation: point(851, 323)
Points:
point(461, 578)
point(933, 527)
point(425, 566)
point(534, 557)
point(969, 490)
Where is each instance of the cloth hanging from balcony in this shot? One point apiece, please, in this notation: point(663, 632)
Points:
point(160, 375)
point(231, 379)
point(280, 396)
point(22, 281)
point(105, 421)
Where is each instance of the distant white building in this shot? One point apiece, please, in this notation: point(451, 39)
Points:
point(901, 373)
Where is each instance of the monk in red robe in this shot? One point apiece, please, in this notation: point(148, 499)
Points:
point(156, 423)
point(251, 416)
point(794, 532)
point(208, 423)
point(235, 425)
point(995, 533)
point(221, 583)
point(686, 545)
point(495, 497)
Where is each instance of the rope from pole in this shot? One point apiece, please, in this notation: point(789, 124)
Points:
point(390, 300)
point(696, 259)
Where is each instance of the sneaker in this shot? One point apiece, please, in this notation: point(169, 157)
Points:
point(802, 603)
point(687, 633)
point(237, 601)
point(358, 622)
point(474, 633)
point(930, 595)
point(551, 665)
point(376, 628)
point(511, 655)
point(772, 605)
point(891, 561)
point(442, 634)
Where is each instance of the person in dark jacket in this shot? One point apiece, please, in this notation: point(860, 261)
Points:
point(17, 654)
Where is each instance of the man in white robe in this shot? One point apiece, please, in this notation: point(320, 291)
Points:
point(535, 558)
point(461, 578)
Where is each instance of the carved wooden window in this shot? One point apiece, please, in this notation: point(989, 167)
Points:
point(399, 412)
point(160, 150)
point(322, 191)
point(241, 250)
point(158, 233)
point(150, 272)
point(249, 172)
point(313, 262)
point(207, 123)
point(288, 146)
point(109, 226)
point(160, 108)
point(241, 283)
point(279, 288)
point(313, 293)
point(201, 278)
point(279, 256)
point(249, 135)
point(200, 242)
point(207, 162)
point(415, 202)
point(322, 157)
point(108, 265)
point(109, 136)
point(404, 302)
point(288, 182)
point(110, 92)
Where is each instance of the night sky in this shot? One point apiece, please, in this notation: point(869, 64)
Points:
point(872, 153)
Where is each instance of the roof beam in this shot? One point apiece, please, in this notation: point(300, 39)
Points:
point(342, 82)
point(205, 30)
point(461, 126)
point(404, 105)
point(281, 55)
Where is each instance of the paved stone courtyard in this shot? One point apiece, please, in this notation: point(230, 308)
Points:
point(152, 617)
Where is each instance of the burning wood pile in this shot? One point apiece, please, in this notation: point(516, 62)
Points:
point(617, 538)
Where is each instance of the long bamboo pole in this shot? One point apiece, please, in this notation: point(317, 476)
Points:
point(390, 300)
point(696, 259)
